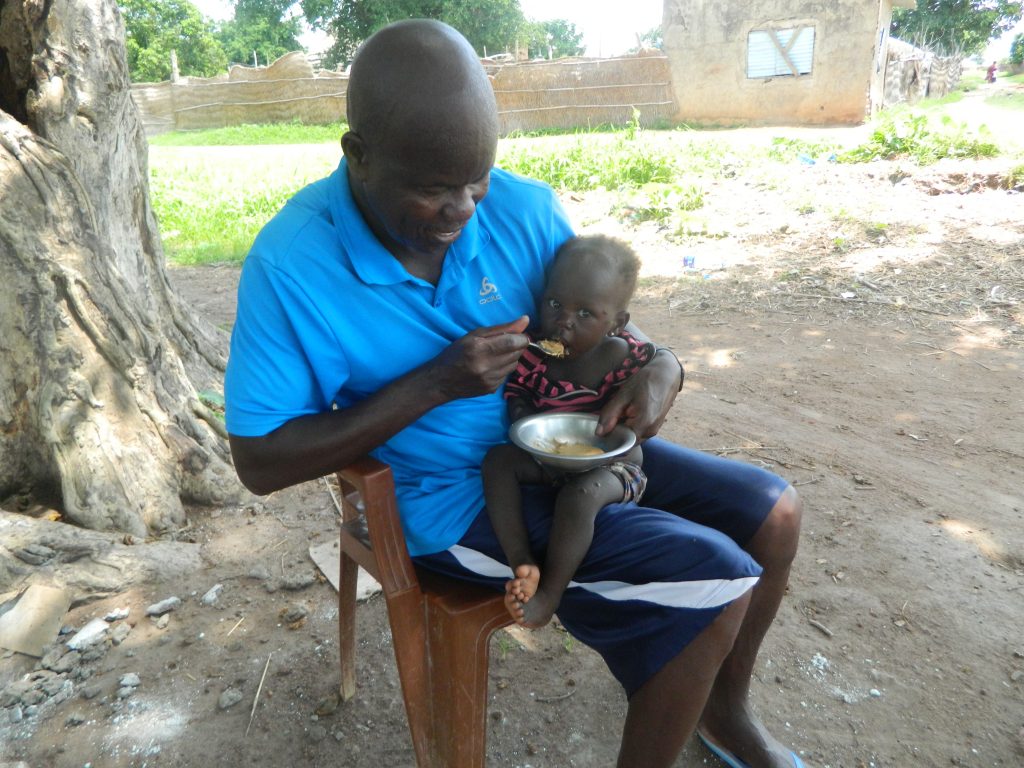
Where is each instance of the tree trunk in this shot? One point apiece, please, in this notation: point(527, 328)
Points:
point(100, 363)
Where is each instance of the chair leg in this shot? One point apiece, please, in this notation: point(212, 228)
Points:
point(347, 624)
point(460, 651)
point(407, 615)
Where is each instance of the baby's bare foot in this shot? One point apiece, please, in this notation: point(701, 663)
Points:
point(524, 586)
point(519, 590)
point(514, 607)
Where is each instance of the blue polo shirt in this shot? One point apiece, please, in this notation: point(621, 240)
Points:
point(327, 316)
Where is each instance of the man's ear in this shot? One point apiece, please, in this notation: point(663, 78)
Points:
point(621, 321)
point(354, 148)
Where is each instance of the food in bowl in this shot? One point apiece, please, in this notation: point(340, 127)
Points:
point(568, 441)
point(567, 448)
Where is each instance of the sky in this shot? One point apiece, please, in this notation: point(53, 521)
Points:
point(607, 29)
point(1000, 49)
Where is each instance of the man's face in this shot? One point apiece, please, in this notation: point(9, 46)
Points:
point(417, 194)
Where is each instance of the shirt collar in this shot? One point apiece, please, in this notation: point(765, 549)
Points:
point(372, 262)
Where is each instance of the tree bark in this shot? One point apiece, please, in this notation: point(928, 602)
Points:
point(100, 363)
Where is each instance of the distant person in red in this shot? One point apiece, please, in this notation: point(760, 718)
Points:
point(990, 75)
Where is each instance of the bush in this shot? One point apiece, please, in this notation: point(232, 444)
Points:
point(1017, 50)
point(910, 136)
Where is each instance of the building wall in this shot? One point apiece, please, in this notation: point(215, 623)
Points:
point(706, 43)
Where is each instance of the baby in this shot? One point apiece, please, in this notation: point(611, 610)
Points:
point(585, 309)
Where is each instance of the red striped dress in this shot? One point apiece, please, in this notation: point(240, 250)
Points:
point(530, 381)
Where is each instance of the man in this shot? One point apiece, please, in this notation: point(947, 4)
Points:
point(381, 311)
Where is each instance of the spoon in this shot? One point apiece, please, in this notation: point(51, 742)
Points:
point(555, 348)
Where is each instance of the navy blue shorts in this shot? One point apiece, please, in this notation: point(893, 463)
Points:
point(655, 575)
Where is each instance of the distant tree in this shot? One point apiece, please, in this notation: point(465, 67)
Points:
point(154, 28)
point(1017, 50)
point(260, 26)
point(563, 38)
point(556, 37)
point(490, 24)
point(955, 27)
point(652, 38)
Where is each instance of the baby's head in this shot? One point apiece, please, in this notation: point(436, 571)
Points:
point(589, 285)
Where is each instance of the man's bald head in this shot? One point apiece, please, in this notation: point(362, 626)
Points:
point(419, 78)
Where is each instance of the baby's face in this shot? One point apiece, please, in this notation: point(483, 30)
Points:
point(580, 308)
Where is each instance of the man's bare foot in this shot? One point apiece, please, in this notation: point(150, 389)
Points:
point(746, 737)
point(519, 590)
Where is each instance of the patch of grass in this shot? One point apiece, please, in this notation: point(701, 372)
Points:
point(1009, 100)
point(1015, 177)
point(971, 80)
point(214, 229)
point(911, 135)
point(271, 133)
point(841, 244)
point(786, 150)
point(940, 101)
point(661, 202)
point(586, 165)
point(876, 229)
point(210, 204)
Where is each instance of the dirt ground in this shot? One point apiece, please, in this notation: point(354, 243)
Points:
point(858, 329)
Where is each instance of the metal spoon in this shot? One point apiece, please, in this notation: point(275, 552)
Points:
point(550, 353)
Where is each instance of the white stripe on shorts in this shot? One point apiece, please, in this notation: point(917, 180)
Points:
point(707, 593)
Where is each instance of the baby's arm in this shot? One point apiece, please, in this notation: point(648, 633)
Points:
point(518, 408)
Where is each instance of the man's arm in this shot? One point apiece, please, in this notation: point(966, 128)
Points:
point(644, 400)
point(311, 446)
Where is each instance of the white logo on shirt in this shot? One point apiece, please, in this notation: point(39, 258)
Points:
point(488, 291)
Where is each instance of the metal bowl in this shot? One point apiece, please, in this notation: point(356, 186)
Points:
point(537, 435)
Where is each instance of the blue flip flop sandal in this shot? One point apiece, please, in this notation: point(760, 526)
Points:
point(731, 760)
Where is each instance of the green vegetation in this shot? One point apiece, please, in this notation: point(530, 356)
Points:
point(211, 198)
point(785, 150)
point(971, 80)
point(1017, 50)
point(592, 161)
point(211, 202)
point(1006, 100)
point(491, 26)
point(955, 27)
point(260, 27)
point(201, 229)
point(252, 135)
point(154, 28)
point(586, 165)
point(1015, 178)
point(909, 134)
point(661, 203)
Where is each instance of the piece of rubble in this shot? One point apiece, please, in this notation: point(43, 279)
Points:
point(164, 606)
point(88, 635)
point(34, 622)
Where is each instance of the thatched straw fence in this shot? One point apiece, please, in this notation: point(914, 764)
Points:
point(583, 92)
point(532, 95)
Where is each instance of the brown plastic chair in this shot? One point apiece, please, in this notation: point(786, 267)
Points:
point(440, 627)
